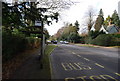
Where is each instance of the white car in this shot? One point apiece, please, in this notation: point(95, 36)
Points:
point(65, 42)
point(61, 42)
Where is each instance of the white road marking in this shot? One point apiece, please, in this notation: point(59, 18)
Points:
point(117, 74)
point(78, 55)
point(86, 59)
point(99, 65)
point(73, 53)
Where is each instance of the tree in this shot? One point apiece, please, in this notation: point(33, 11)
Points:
point(94, 34)
point(77, 25)
point(70, 33)
point(46, 34)
point(11, 17)
point(22, 15)
point(66, 32)
point(101, 12)
point(106, 22)
point(99, 21)
point(74, 37)
point(90, 18)
point(115, 19)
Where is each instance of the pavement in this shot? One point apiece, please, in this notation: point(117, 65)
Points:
point(72, 63)
point(30, 69)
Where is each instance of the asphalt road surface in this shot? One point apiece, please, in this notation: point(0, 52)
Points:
point(80, 63)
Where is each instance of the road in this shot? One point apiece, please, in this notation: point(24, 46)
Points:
point(72, 63)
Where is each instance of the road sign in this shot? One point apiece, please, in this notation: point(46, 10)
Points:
point(38, 23)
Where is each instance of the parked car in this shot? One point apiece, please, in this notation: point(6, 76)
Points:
point(54, 41)
point(64, 42)
point(48, 42)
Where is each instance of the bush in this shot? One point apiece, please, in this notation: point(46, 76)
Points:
point(88, 40)
point(94, 34)
point(32, 42)
point(117, 42)
point(116, 35)
point(74, 37)
point(13, 44)
point(82, 40)
point(106, 40)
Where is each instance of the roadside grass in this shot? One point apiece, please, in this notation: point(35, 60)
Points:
point(116, 46)
point(46, 70)
point(90, 45)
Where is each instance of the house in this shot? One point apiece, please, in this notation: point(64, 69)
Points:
point(103, 29)
point(112, 29)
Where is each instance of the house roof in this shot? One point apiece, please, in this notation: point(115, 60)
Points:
point(103, 29)
point(112, 29)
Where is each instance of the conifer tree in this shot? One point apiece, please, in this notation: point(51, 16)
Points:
point(99, 21)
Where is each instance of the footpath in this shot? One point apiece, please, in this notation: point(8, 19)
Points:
point(30, 69)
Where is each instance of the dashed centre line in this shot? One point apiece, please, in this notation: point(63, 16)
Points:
point(86, 59)
point(73, 53)
point(95, 63)
point(99, 65)
point(83, 58)
point(78, 55)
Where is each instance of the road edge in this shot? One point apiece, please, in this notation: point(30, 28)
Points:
point(50, 62)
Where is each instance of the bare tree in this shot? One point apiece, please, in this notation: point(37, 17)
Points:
point(90, 18)
point(50, 4)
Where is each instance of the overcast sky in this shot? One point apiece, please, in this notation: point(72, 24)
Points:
point(77, 12)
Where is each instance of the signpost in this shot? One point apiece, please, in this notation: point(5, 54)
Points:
point(40, 23)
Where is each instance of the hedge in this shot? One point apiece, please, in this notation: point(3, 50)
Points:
point(103, 40)
point(106, 40)
point(13, 44)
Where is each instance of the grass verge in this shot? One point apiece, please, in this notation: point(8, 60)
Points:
point(90, 45)
point(46, 71)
